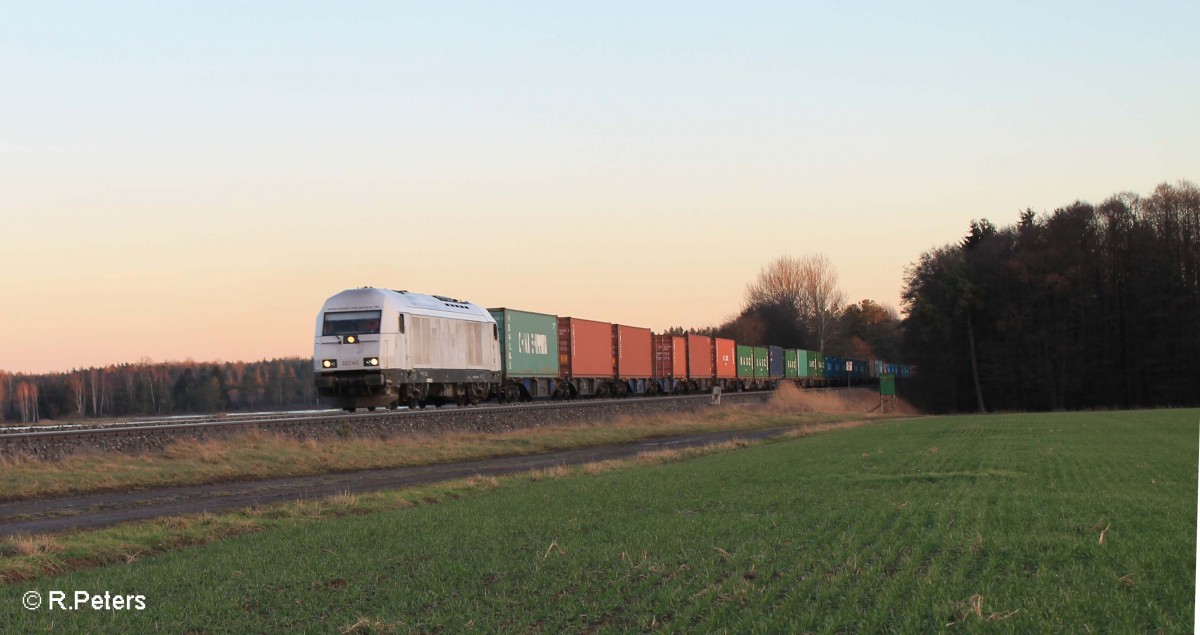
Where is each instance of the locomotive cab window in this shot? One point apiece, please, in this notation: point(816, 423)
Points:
point(351, 322)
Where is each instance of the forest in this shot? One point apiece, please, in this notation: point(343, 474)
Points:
point(148, 388)
point(1088, 306)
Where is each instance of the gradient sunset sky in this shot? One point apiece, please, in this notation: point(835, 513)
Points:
point(193, 179)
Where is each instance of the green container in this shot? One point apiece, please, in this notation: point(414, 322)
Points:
point(528, 343)
point(791, 364)
point(817, 362)
point(802, 362)
point(762, 363)
point(745, 361)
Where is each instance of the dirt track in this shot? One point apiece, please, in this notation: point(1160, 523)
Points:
point(100, 510)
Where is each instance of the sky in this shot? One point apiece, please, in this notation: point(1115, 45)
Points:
point(191, 180)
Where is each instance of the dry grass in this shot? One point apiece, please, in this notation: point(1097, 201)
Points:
point(789, 399)
point(599, 467)
point(973, 606)
point(670, 455)
point(368, 625)
point(816, 428)
point(29, 545)
point(259, 455)
point(210, 451)
point(557, 471)
point(481, 482)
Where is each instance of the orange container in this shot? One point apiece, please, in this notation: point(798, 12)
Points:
point(670, 357)
point(585, 348)
point(699, 357)
point(724, 358)
point(633, 351)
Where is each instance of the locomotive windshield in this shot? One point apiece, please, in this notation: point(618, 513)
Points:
point(351, 323)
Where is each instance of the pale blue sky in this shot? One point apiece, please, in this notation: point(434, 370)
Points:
point(200, 176)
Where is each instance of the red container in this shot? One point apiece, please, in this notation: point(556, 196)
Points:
point(670, 357)
point(699, 357)
point(724, 358)
point(633, 351)
point(585, 348)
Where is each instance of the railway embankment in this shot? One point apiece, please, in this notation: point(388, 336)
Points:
point(155, 437)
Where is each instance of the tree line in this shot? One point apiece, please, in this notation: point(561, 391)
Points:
point(795, 302)
point(1089, 306)
point(168, 388)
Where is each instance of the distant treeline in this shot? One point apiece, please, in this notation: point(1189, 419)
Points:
point(1090, 306)
point(169, 388)
point(795, 302)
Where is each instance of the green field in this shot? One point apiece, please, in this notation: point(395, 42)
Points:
point(956, 524)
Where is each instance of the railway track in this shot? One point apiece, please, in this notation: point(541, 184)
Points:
point(146, 435)
point(165, 421)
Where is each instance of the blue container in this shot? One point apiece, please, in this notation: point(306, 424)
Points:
point(835, 368)
point(777, 366)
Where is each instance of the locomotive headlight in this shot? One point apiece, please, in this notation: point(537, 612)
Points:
point(351, 339)
point(329, 363)
point(370, 361)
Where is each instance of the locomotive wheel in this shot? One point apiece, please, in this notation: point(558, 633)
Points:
point(411, 403)
point(370, 408)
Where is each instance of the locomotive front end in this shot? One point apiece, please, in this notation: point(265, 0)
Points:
point(352, 353)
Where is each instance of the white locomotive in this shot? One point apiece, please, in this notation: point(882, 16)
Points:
point(382, 348)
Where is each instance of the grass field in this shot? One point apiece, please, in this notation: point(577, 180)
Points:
point(1033, 523)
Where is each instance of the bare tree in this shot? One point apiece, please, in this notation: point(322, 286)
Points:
point(822, 299)
point(75, 384)
point(5, 380)
point(27, 397)
point(95, 391)
point(807, 285)
point(780, 282)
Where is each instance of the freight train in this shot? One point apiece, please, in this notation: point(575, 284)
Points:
point(383, 348)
